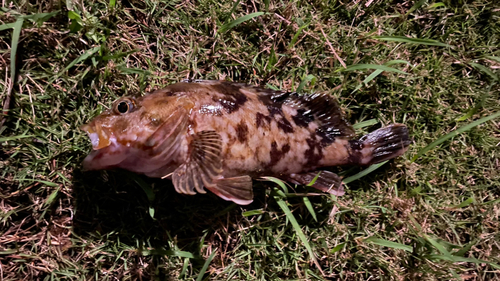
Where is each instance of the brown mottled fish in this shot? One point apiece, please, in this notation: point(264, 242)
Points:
point(219, 135)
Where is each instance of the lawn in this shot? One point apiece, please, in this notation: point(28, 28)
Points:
point(432, 214)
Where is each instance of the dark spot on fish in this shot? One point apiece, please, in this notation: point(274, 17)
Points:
point(285, 148)
point(303, 117)
point(233, 99)
point(277, 154)
point(232, 103)
point(262, 120)
point(356, 144)
point(242, 132)
point(275, 110)
point(265, 99)
point(328, 134)
point(314, 153)
point(269, 97)
point(285, 125)
point(354, 149)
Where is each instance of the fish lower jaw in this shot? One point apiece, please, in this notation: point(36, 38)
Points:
point(94, 139)
point(107, 157)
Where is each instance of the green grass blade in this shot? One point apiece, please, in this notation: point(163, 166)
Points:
point(416, 6)
point(40, 18)
point(465, 203)
point(376, 73)
point(365, 123)
point(310, 207)
point(170, 253)
point(438, 246)
point(145, 186)
point(455, 133)
point(15, 138)
point(205, 266)
point(7, 26)
point(485, 70)
point(81, 58)
point(296, 36)
point(497, 59)
point(371, 66)
point(253, 213)
point(314, 179)
point(337, 248)
point(18, 26)
point(297, 228)
point(436, 5)
point(363, 173)
point(238, 21)
point(278, 182)
point(367, 80)
point(389, 244)
point(418, 41)
point(52, 197)
point(304, 81)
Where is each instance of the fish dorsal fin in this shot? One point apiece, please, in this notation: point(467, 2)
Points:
point(203, 166)
point(322, 108)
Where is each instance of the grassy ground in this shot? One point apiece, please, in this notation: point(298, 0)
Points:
point(430, 218)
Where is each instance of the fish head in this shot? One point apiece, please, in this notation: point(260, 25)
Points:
point(123, 135)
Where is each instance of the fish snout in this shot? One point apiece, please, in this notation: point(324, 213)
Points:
point(99, 137)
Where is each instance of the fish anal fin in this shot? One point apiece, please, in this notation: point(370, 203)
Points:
point(236, 189)
point(203, 165)
point(326, 181)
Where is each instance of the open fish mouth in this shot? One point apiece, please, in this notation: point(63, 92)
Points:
point(106, 151)
point(98, 137)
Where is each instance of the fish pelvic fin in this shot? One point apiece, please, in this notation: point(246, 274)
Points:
point(325, 181)
point(236, 189)
point(380, 145)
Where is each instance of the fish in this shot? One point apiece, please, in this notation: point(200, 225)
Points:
point(219, 135)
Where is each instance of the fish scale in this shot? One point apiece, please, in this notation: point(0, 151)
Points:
point(219, 135)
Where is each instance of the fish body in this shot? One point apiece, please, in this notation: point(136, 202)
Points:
point(219, 135)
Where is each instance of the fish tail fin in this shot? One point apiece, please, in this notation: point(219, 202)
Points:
point(383, 144)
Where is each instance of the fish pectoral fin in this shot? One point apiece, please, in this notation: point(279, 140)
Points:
point(326, 181)
point(203, 166)
point(236, 189)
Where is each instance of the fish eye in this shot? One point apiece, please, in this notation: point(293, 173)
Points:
point(123, 106)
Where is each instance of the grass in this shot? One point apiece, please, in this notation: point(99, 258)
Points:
point(432, 214)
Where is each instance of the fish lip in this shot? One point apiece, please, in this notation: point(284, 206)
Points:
point(99, 137)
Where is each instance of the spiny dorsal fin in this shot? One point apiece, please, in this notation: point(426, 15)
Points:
point(203, 166)
point(323, 108)
point(318, 107)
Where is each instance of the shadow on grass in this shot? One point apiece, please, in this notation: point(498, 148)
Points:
point(111, 204)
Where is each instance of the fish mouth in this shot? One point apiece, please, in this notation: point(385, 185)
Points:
point(106, 152)
point(98, 137)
